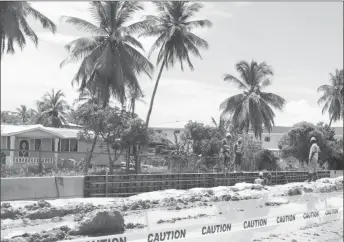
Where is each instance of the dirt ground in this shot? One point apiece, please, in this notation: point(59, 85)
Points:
point(329, 231)
point(60, 219)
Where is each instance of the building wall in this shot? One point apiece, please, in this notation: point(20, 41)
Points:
point(270, 141)
point(35, 188)
point(3, 142)
point(170, 133)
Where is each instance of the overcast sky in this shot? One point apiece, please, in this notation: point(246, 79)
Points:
point(303, 42)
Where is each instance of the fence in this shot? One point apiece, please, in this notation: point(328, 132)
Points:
point(127, 185)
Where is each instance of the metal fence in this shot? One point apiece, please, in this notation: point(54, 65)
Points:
point(127, 185)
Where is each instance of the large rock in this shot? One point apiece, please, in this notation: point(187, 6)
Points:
point(101, 222)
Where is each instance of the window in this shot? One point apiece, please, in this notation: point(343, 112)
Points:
point(8, 143)
point(52, 145)
point(73, 145)
point(38, 143)
point(267, 139)
point(64, 145)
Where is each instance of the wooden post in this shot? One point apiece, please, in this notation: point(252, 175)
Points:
point(106, 182)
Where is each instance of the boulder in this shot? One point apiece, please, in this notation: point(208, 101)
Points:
point(101, 222)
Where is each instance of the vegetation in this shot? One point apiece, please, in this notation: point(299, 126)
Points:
point(52, 109)
point(332, 97)
point(252, 107)
point(173, 27)
point(112, 60)
point(110, 56)
point(14, 26)
point(295, 143)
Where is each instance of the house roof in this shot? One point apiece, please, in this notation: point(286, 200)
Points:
point(64, 133)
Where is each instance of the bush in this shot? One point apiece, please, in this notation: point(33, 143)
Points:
point(266, 160)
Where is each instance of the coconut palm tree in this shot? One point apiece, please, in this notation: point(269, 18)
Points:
point(133, 96)
point(25, 114)
point(173, 28)
point(14, 26)
point(88, 96)
point(110, 55)
point(332, 97)
point(52, 109)
point(251, 108)
point(223, 125)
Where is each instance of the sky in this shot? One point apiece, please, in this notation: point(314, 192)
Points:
point(303, 42)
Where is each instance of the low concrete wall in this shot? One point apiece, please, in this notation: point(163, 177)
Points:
point(336, 173)
point(35, 188)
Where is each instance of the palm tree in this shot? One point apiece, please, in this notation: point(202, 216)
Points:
point(251, 108)
point(223, 125)
point(14, 25)
point(25, 114)
point(110, 55)
point(133, 96)
point(332, 97)
point(52, 109)
point(175, 39)
point(88, 96)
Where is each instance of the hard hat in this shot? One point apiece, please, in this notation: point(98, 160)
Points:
point(313, 139)
point(260, 174)
point(228, 135)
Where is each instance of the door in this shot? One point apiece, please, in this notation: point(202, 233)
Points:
point(23, 148)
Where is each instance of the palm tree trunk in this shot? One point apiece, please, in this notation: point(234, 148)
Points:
point(89, 156)
point(133, 108)
point(110, 159)
point(329, 125)
point(154, 92)
point(0, 48)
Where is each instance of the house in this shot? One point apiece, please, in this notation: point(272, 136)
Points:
point(26, 144)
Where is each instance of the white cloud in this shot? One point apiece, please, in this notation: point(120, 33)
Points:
point(54, 10)
point(243, 4)
point(56, 38)
point(298, 111)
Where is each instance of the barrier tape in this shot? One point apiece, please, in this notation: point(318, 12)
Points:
point(199, 230)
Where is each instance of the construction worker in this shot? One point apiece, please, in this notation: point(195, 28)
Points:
point(225, 150)
point(313, 160)
point(238, 149)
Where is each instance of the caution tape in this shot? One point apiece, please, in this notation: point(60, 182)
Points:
point(196, 231)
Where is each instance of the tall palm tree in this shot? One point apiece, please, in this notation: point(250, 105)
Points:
point(25, 114)
point(88, 96)
point(133, 96)
point(52, 109)
point(332, 96)
point(14, 25)
point(173, 27)
point(110, 55)
point(251, 108)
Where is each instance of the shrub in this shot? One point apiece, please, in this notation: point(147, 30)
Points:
point(266, 160)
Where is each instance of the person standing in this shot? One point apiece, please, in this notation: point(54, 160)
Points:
point(225, 150)
point(313, 159)
point(238, 149)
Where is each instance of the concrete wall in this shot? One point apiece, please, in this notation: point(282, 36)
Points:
point(336, 173)
point(35, 188)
